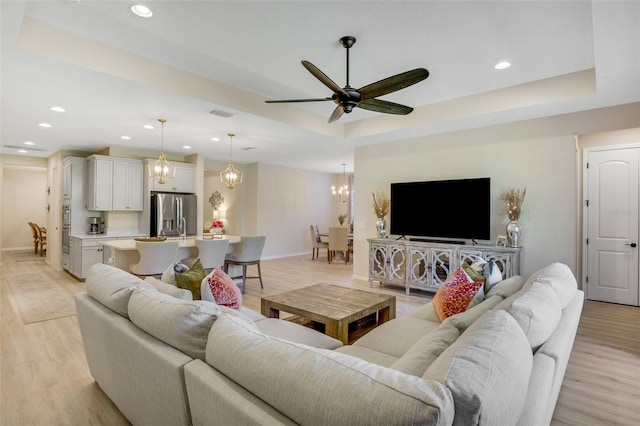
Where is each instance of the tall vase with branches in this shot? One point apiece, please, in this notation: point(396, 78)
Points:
point(381, 206)
point(513, 200)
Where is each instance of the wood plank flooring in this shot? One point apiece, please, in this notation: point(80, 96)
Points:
point(44, 378)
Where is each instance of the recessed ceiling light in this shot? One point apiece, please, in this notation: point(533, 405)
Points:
point(44, 125)
point(29, 143)
point(148, 127)
point(141, 10)
point(57, 109)
point(186, 147)
point(22, 151)
point(125, 137)
point(502, 65)
point(215, 139)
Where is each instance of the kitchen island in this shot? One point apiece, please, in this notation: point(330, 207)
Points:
point(123, 253)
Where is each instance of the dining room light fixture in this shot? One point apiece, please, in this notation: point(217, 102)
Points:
point(231, 176)
point(341, 194)
point(162, 170)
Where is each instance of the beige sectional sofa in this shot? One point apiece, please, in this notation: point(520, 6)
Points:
point(500, 362)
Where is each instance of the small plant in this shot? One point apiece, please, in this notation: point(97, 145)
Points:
point(342, 218)
point(381, 204)
point(513, 200)
point(218, 224)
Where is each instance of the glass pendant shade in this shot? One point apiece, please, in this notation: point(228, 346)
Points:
point(162, 170)
point(231, 176)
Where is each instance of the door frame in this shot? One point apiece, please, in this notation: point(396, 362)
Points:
point(585, 210)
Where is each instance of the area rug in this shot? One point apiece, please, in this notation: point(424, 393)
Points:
point(39, 298)
point(25, 255)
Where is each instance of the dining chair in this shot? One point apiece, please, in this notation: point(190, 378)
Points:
point(317, 243)
point(212, 252)
point(245, 253)
point(339, 241)
point(42, 238)
point(155, 257)
point(36, 238)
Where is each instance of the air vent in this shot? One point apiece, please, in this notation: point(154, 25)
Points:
point(220, 113)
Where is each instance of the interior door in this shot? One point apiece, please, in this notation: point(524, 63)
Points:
point(612, 225)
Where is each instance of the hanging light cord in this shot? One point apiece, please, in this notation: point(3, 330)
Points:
point(231, 135)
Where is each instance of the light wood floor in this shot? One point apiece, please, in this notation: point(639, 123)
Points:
point(45, 379)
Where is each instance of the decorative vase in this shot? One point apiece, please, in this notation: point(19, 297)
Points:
point(514, 232)
point(381, 227)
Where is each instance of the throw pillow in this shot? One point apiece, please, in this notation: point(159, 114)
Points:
point(169, 274)
point(493, 274)
point(456, 294)
point(473, 274)
point(191, 279)
point(224, 290)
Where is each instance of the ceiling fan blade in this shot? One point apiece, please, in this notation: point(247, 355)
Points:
point(386, 107)
point(280, 101)
point(337, 113)
point(323, 78)
point(393, 83)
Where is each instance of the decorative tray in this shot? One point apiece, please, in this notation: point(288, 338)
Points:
point(151, 239)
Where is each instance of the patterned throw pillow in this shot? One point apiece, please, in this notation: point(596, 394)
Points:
point(456, 294)
point(224, 290)
point(191, 279)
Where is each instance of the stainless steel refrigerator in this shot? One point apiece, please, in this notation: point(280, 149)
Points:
point(173, 215)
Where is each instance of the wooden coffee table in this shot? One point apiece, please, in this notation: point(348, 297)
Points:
point(334, 306)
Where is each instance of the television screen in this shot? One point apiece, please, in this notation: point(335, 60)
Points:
point(447, 209)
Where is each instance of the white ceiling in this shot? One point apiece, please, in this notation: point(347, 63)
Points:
point(115, 72)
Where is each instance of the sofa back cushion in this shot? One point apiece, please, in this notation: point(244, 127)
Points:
point(506, 287)
point(487, 370)
point(319, 386)
point(538, 313)
point(170, 289)
point(420, 356)
point(183, 324)
point(112, 287)
point(463, 320)
point(562, 281)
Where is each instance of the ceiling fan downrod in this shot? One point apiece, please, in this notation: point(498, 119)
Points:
point(347, 42)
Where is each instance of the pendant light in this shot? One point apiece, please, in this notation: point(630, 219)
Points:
point(162, 170)
point(341, 195)
point(231, 176)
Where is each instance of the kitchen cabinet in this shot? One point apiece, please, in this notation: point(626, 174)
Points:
point(184, 181)
point(114, 183)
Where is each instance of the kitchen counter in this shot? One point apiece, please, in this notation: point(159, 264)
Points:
point(124, 252)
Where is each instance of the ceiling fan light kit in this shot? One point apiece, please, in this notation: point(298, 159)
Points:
point(347, 98)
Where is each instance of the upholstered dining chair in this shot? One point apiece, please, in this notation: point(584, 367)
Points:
point(212, 253)
point(339, 241)
point(317, 243)
point(36, 239)
point(155, 257)
point(42, 239)
point(245, 253)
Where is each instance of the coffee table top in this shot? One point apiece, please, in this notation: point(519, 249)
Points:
point(329, 301)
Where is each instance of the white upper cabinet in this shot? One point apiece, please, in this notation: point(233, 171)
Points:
point(114, 183)
point(183, 181)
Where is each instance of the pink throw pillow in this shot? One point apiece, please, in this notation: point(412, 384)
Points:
point(455, 294)
point(224, 290)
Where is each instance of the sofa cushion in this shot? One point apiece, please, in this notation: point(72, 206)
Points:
point(112, 287)
point(562, 281)
point(169, 289)
point(456, 294)
point(319, 386)
point(368, 355)
point(191, 279)
point(420, 356)
point(538, 313)
point(183, 324)
point(463, 320)
point(487, 370)
point(506, 287)
point(224, 291)
point(426, 312)
point(397, 336)
point(297, 333)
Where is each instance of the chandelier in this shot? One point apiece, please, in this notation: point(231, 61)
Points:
point(341, 195)
point(162, 170)
point(231, 176)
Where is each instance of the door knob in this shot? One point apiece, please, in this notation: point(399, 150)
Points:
point(631, 245)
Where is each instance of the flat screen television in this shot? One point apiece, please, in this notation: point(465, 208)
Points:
point(442, 209)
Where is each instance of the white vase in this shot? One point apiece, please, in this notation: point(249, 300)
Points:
point(514, 232)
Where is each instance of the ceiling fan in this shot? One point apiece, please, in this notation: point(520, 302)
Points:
point(348, 98)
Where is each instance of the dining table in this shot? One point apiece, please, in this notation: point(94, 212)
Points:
point(123, 253)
